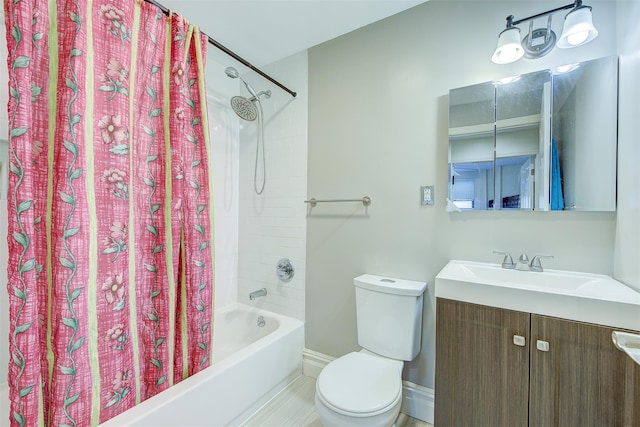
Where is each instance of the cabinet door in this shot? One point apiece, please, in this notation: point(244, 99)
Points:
point(482, 377)
point(583, 380)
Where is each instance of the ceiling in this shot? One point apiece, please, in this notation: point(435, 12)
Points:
point(265, 31)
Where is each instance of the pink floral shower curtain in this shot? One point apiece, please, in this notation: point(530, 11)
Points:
point(110, 212)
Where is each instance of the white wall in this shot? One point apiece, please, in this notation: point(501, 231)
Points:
point(627, 245)
point(378, 113)
point(272, 225)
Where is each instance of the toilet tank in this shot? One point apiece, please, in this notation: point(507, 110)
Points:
point(389, 315)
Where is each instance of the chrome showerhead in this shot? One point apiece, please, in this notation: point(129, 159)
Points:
point(233, 73)
point(247, 109)
point(244, 108)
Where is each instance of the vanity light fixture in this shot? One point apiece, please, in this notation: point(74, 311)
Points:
point(578, 29)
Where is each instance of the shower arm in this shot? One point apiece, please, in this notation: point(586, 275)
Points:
point(232, 54)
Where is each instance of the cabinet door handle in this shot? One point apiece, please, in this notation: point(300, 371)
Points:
point(519, 340)
point(542, 345)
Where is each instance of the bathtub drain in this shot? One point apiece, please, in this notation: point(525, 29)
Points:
point(261, 322)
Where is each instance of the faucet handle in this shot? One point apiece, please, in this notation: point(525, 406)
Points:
point(507, 261)
point(536, 265)
point(523, 258)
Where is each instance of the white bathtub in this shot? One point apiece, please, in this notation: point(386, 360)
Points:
point(251, 365)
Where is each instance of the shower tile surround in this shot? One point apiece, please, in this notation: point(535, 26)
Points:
point(273, 225)
point(254, 231)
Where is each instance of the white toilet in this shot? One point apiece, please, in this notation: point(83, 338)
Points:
point(365, 388)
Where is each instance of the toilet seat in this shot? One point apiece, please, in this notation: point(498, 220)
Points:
point(360, 385)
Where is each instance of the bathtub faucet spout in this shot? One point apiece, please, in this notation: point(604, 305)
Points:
point(259, 293)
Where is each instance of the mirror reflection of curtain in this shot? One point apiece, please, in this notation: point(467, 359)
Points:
point(557, 199)
point(110, 219)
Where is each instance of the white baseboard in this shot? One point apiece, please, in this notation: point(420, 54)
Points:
point(313, 362)
point(417, 401)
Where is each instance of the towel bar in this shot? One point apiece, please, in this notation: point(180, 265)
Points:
point(366, 201)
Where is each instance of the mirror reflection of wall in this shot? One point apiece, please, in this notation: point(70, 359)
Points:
point(585, 132)
point(522, 129)
point(471, 143)
point(540, 141)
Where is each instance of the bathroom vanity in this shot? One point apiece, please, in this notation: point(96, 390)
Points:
point(508, 354)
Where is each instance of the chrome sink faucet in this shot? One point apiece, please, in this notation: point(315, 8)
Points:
point(523, 263)
point(259, 293)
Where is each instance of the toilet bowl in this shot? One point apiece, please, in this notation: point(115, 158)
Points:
point(359, 389)
point(365, 388)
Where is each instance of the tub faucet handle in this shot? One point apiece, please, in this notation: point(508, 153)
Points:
point(507, 261)
point(285, 270)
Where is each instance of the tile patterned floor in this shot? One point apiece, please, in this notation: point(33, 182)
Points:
point(294, 407)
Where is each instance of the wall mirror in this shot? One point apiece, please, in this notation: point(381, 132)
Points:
point(539, 141)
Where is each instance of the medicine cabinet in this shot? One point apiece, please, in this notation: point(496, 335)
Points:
point(545, 140)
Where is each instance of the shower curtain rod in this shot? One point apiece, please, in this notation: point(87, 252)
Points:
point(232, 54)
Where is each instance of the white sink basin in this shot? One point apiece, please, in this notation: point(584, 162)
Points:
point(584, 297)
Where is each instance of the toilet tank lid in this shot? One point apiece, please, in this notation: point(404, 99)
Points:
point(390, 285)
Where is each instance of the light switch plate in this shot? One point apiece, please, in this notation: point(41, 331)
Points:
point(426, 195)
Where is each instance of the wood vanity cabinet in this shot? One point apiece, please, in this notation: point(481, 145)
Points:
point(485, 376)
